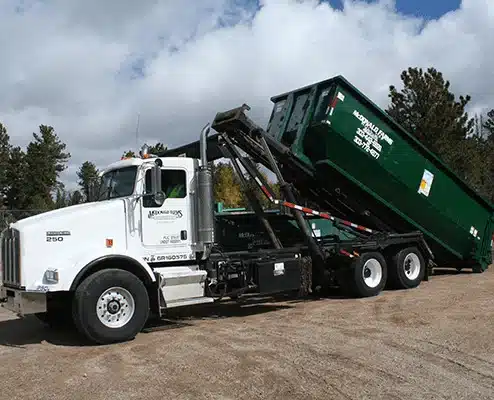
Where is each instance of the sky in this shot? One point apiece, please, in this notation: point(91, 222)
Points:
point(427, 9)
point(89, 68)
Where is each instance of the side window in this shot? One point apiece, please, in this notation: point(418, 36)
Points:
point(173, 182)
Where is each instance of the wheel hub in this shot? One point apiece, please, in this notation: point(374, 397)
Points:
point(411, 266)
point(372, 273)
point(115, 307)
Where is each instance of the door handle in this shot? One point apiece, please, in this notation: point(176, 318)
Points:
point(183, 235)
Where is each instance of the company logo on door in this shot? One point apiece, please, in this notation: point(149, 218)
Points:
point(165, 215)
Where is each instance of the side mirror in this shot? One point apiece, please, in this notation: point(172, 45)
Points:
point(156, 189)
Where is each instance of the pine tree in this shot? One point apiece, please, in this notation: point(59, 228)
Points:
point(488, 124)
point(17, 177)
point(128, 154)
point(4, 163)
point(88, 179)
point(157, 149)
point(428, 109)
point(46, 158)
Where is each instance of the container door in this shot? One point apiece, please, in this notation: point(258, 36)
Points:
point(166, 229)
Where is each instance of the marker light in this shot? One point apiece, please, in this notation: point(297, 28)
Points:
point(145, 151)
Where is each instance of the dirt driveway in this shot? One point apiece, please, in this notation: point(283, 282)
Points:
point(434, 342)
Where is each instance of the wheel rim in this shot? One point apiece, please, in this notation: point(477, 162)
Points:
point(115, 307)
point(411, 266)
point(372, 273)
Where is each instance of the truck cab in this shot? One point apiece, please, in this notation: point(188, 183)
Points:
point(141, 231)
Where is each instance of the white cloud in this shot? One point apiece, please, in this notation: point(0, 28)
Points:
point(89, 67)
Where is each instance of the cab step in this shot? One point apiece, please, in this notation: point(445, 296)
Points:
point(189, 302)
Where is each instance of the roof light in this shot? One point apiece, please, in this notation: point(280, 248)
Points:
point(145, 151)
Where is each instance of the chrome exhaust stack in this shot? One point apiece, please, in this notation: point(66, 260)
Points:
point(205, 197)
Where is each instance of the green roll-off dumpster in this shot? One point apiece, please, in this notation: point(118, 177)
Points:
point(383, 175)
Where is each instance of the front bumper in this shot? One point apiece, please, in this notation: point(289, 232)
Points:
point(21, 302)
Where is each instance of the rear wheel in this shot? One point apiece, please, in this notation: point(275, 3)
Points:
point(366, 276)
point(111, 305)
point(407, 269)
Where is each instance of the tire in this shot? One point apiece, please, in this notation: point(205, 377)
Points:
point(366, 276)
point(407, 269)
point(98, 292)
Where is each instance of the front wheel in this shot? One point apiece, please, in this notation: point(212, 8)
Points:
point(366, 276)
point(111, 305)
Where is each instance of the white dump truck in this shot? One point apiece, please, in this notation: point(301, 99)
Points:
point(147, 244)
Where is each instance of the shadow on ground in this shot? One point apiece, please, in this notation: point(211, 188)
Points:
point(29, 330)
point(453, 271)
point(21, 332)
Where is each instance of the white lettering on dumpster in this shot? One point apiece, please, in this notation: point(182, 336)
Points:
point(368, 136)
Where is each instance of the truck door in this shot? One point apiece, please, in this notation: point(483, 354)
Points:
point(166, 229)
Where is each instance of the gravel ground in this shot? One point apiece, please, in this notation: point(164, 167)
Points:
point(433, 342)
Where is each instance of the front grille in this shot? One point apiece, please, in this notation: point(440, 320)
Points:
point(11, 265)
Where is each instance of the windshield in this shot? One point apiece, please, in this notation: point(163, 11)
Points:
point(117, 183)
